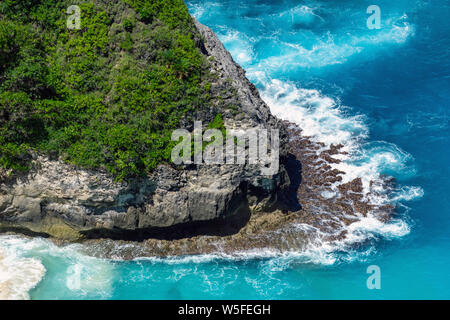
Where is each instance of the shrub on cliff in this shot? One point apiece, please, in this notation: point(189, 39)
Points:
point(105, 96)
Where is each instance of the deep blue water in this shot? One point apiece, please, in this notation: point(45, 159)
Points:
point(386, 91)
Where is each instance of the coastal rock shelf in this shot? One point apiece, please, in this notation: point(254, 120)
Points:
point(306, 218)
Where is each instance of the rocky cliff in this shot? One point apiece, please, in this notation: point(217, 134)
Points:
point(61, 200)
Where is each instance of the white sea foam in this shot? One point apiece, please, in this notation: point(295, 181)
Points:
point(326, 49)
point(323, 251)
point(18, 275)
point(310, 255)
point(319, 116)
point(239, 45)
point(408, 193)
point(324, 120)
point(299, 15)
point(370, 226)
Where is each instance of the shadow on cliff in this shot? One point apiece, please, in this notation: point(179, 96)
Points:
point(288, 201)
point(289, 198)
point(220, 227)
point(4, 229)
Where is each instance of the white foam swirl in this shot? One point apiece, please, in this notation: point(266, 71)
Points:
point(18, 275)
point(21, 269)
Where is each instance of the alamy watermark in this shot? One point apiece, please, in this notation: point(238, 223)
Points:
point(74, 20)
point(374, 281)
point(239, 147)
point(374, 21)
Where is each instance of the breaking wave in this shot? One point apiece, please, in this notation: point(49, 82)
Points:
point(327, 124)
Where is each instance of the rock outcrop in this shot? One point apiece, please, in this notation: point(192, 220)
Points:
point(63, 201)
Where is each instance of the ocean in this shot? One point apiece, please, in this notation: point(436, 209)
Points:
point(382, 93)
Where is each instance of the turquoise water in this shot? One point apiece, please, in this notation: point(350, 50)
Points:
point(385, 93)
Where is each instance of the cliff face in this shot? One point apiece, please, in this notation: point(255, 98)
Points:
point(64, 201)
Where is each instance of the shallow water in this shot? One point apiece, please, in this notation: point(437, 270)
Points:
point(383, 93)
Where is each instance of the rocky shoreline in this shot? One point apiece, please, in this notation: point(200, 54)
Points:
point(286, 228)
point(301, 217)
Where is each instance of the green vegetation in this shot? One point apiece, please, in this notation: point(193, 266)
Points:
point(106, 96)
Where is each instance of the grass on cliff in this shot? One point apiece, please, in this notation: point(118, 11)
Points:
point(106, 96)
